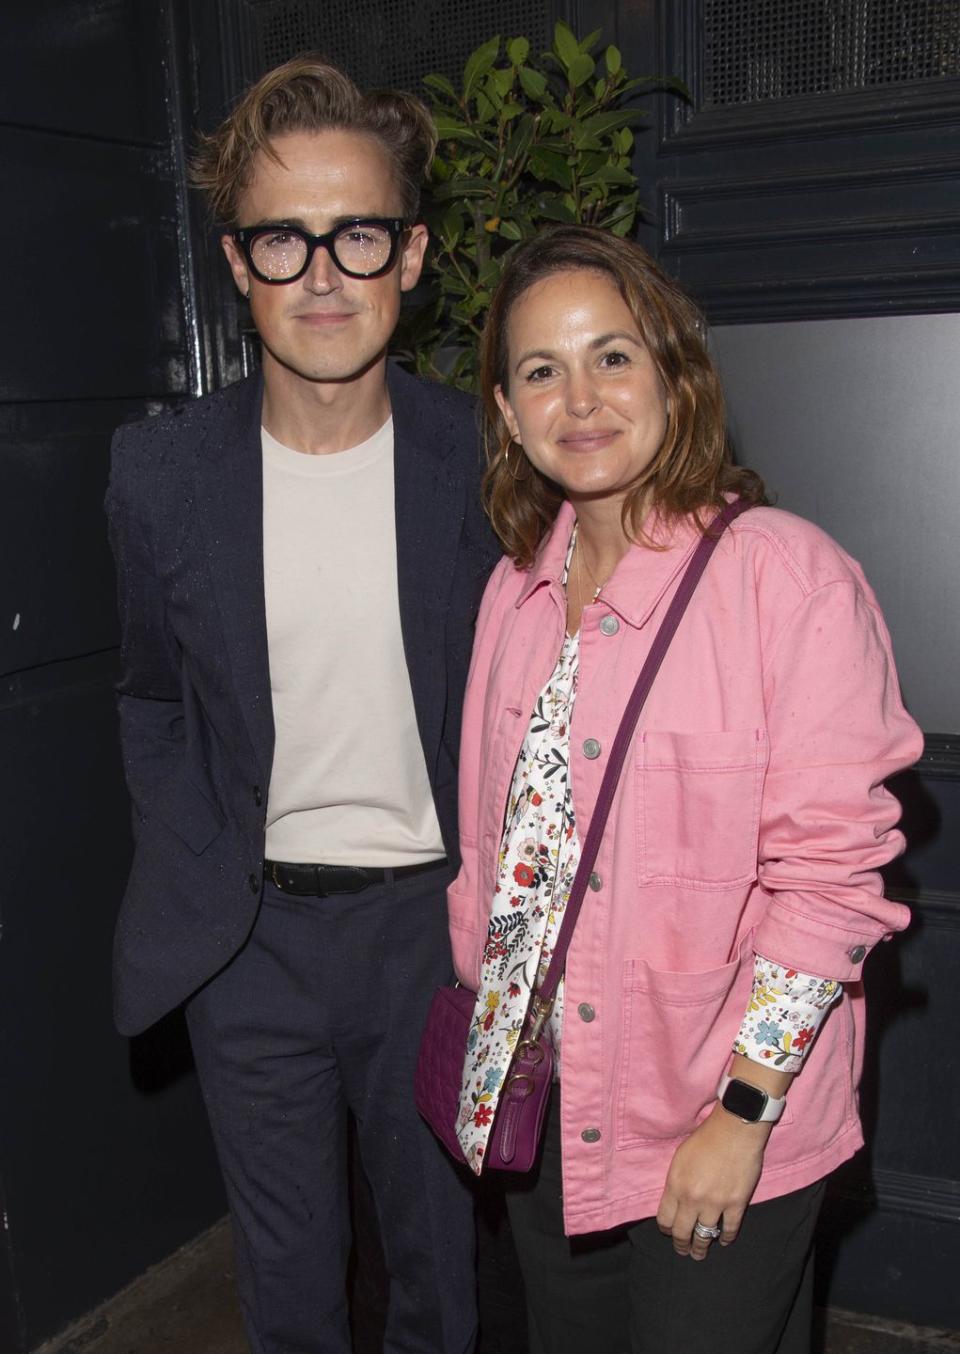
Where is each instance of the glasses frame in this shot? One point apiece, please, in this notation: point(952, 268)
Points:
point(245, 235)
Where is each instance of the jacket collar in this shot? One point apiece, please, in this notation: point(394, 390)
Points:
point(639, 580)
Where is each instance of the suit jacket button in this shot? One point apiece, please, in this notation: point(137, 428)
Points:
point(591, 748)
point(858, 954)
point(586, 1012)
point(590, 1135)
point(609, 625)
point(254, 882)
point(257, 796)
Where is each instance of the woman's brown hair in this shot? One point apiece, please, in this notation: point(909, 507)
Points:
point(693, 468)
point(308, 94)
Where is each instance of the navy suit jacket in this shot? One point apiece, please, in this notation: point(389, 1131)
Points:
point(185, 508)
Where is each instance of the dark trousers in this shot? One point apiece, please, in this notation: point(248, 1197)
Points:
point(627, 1292)
point(322, 1012)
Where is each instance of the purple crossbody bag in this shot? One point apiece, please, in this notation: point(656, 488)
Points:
point(514, 1141)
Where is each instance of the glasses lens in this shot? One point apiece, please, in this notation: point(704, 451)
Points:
point(278, 254)
point(363, 248)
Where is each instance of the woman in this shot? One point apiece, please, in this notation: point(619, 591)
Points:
point(735, 895)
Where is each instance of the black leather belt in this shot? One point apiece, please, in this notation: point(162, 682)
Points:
point(319, 880)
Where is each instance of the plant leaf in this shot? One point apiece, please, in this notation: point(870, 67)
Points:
point(555, 209)
point(601, 123)
point(451, 227)
point(534, 84)
point(518, 49)
point(580, 70)
point(613, 59)
point(441, 84)
point(520, 139)
point(486, 109)
point(478, 63)
point(609, 174)
point(551, 165)
point(510, 230)
point(565, 44)
point(502, 80)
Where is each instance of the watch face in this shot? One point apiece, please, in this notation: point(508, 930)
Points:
point(745, 1101)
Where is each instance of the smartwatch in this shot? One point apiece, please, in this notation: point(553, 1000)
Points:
point(748, 1102)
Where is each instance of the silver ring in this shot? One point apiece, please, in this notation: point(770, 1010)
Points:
point(706, 1233)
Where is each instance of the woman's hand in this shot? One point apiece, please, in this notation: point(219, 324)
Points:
point(715, 1171)
point(711, 1180)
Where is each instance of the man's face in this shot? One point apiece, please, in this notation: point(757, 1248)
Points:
point(325, 326)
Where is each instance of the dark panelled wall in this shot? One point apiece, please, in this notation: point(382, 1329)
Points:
point(105, 1160)
point(808, 194)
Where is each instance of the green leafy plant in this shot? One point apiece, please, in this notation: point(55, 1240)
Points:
point(525, 140)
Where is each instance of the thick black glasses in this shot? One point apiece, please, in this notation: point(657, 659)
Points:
point(363, 247)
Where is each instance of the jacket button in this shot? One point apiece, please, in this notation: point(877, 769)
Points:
point(590, 1135)
point(586, 1012)
point(595, 882)
point(254, 882)
point(257, 796)
point(591, 748)
point(858, 954)
point(609, 625)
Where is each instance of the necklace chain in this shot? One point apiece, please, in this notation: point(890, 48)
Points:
point(578, 551)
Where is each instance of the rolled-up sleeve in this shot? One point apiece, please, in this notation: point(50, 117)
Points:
point(837, 730)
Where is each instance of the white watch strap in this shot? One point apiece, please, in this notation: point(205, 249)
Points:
point(771, 1110)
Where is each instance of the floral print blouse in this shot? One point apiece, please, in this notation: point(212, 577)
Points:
point(538, 859)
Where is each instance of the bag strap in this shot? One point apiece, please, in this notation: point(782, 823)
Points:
point(621, 743)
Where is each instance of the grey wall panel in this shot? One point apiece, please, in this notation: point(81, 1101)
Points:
point(855, 423)
point(88, 66)
point(108, 1163)
point(57, 587)
point(95, 281)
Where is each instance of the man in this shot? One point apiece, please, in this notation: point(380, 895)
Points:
point(300, 559)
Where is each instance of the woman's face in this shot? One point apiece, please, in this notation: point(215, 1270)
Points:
point(583, 398)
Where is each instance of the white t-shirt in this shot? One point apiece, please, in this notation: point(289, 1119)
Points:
point(349, 783)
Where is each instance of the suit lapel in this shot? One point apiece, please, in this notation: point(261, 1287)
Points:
point(230, 477)
point(429, 506)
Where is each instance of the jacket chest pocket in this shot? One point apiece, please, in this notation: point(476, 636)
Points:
point(698, 807)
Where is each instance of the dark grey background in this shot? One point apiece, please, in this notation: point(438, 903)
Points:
point(855, 423)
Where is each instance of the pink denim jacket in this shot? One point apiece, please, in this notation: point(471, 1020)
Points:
point(751, 817)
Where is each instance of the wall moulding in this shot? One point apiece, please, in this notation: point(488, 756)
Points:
point(684, 127)
point(921, 1196)
point(840, 202)
point(936, 907)
point(941, 757)
point(876, 201)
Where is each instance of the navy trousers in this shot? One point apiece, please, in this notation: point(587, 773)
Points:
point(321, 1013)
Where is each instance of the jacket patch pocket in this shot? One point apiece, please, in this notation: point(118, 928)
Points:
point(699, 807)
point(678, 1032)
